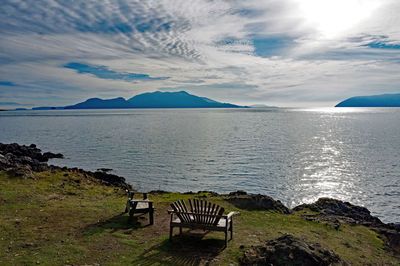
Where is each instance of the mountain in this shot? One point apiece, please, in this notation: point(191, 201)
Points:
point(382, 100)
point(156, 99)
point(97, 103)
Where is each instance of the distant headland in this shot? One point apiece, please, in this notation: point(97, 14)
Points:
point(382, 100)
point(158, 99)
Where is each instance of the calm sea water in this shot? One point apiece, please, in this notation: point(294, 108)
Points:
point(295, 155)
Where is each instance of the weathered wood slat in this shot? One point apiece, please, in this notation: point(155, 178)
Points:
point(216, 212)
point(180, 209)
point(178, 213)
point(208, 212)
point(217, 218)
point(192, 210)
point(197, 210)
point(184, 208)
point(210, 219)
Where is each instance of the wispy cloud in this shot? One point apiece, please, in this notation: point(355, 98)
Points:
point(279, 52)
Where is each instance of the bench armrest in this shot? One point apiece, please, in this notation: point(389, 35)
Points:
point(229, 216)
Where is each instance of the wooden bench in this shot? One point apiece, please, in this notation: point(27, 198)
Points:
point(139, 206)
point(202, 215)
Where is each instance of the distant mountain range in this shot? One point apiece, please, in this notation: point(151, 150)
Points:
point(157, 99)
point(382, 100)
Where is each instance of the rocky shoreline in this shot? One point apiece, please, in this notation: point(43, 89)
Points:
point(22, 161)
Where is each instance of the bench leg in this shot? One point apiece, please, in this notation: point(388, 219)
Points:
point(231, 229)
point(151, 216)
point(180, 230)
point(171, 230)
point(133, 209)
point(226, 238)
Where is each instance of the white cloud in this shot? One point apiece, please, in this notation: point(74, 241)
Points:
point(211, 41)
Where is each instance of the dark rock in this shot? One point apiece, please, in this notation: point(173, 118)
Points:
point(158, 192)
point(290, 250)
point(332, 211)
point(257, 202)
point(392, 237)
point(238, 193)
point(23, 172)
point(111, 179)
point(4, 160)
point(105, 170)
point(332, 207)
point(21, 161)
point(15, 156)
point(212, 193)
point(50, 155)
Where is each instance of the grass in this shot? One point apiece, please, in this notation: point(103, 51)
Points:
point(66, 218)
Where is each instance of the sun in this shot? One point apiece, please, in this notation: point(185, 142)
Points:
point(331, 18)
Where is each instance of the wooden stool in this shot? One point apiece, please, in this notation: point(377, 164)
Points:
point(140, 206)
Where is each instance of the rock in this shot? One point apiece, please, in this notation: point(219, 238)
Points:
point(50, 155)
point(332, 211)
point(105, 170)
point(111, 179)
point(23, 172)
point(392, 237)
point(238, 193)
point(257, 202)
point(30, 151)
point(17, 156)
point(332, 207)
point(3, 159)
point(290, 250)
point(158, 191)
point(21, 161)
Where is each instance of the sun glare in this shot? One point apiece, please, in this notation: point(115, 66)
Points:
point(331, 18)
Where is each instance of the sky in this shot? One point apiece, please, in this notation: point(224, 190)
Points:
point(273, 52)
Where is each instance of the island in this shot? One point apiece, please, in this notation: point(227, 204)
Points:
point(158, 99)
point(382, 100)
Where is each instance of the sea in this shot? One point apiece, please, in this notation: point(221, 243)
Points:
point(291, 154)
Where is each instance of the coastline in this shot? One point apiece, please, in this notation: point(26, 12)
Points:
point(28, 164)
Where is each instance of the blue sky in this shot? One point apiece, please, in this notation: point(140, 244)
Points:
point(276, 52)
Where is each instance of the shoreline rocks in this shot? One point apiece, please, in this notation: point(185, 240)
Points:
point(327, 207)
point(337, 212)
point(290, 250)
point(21, 161)
point(242, 200)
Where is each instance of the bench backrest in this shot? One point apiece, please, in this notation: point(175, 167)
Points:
point(201, 212)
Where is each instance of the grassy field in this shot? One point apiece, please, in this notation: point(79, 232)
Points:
point(64, 218)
